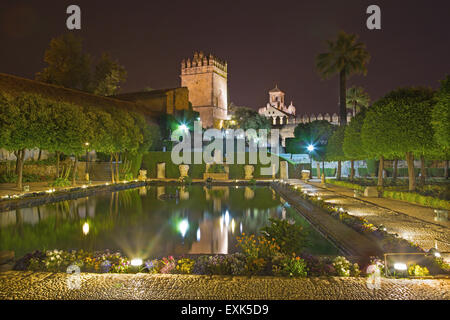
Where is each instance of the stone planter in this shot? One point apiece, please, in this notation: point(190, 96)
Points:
point(216, 176)
point(249, 172)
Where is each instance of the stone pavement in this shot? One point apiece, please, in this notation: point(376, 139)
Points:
point(41, 286)
point(412, 222)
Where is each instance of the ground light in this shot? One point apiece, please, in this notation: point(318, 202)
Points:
point(400, 266)
point(136, 262)
point(183, 127)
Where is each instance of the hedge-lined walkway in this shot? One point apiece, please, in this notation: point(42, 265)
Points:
point(52, 286)
point(412, 222)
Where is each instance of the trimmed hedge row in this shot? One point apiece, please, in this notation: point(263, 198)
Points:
point(151, 159)
point(347, 184)
point(411, 197)
point(418, 199)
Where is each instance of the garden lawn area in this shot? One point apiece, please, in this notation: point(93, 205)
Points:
point(435, 195)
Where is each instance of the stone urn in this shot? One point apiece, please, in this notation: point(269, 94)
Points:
point(249, 172)
point(184, 170)
point(305, 175)
point(142, 175)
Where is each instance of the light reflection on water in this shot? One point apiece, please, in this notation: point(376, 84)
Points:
point(147, 222)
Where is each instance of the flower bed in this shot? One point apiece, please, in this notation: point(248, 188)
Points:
point(389, 242)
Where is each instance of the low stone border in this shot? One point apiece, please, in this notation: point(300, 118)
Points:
point(44, 197)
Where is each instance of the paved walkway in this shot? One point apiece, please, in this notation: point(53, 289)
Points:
point(412, 222)
point(11, 188)
point(28, 285)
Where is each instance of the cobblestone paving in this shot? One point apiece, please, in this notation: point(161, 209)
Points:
point(28, 285)
point(409, 226)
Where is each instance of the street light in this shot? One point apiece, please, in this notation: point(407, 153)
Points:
point(310, 149)
point(86, 144)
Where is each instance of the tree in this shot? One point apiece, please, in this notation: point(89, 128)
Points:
point(400, 123)
point(67, 65)
point(345, 57)
point(357, 98)
point(21, 123)
point(441, 119)
point(352, 144)
point(247, 118)
point(315, 133)
point(334, 150)
point(108, 76)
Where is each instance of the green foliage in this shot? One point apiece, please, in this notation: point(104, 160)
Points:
point(334, 150)
point(247, 118)
point(357, 99)
point(108, 76)
point(291, 238)
point(441, 115)
point(289, 266)
point(352, 144)
point(67, 65)
point(414, 197)
point(399, 123)
point(60, 182)
point(216, 168)
point(315, 133)
point(345, 56)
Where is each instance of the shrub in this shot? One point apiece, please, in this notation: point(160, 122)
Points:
point(60, 182)
point(290, 238)
point(216, 168)
point(291, 266)
point(418, 271)
point(344, 268)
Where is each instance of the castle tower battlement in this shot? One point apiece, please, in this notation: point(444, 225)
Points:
point(206, 77)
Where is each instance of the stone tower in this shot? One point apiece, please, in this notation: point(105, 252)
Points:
point(206, 79)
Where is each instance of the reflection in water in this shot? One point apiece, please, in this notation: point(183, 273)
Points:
point(140, 224)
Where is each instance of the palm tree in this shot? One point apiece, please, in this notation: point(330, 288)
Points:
point(357, 98)
point(345, 57)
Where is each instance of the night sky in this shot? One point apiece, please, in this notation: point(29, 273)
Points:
point(265, 43)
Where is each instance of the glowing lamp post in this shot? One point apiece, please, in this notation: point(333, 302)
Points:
point(310, 149)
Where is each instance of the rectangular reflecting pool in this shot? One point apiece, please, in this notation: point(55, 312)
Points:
point(152, 221)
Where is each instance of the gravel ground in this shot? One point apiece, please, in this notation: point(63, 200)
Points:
point(29, 285)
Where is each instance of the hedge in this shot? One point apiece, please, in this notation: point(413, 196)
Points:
point(347, 184)
point(418, 199)
point(236, 171)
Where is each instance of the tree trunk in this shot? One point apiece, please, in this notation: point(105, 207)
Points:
point(21, 160)
point(423, 171)
point(57, 163)
point(112, 168)
point(411, 174)
point(446, 169)
point(318, 170)
point(352, 170)
point(40, 155)
point(16, 170)
point(117, 167)
point(395, 170)
point(380, 172)
point(339, 168)
point(74, 175)
point(343, 97)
